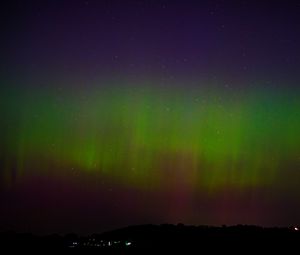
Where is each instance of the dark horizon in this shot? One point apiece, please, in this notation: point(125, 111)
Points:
point(154, 238)
point(109, 232)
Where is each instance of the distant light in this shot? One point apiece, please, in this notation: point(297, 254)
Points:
point(128, 243)
point(109, 244)
point(296, 229)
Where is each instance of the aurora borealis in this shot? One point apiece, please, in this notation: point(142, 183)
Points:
point(108, 119)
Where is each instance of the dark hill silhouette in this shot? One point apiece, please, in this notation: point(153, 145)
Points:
point(166, 237)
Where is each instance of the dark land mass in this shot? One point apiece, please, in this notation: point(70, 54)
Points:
point(153, 239)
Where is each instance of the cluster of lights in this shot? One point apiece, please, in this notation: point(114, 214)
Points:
point(101, 243)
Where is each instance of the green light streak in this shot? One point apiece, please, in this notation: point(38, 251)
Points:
point(136, 134)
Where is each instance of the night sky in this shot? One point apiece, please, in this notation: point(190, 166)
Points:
point(115, 113)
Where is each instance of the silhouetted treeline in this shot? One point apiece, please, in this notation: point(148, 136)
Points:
point(158, 238)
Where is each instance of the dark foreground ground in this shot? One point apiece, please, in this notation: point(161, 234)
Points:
point(157, 239)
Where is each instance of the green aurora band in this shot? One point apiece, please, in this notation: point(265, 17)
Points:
point(204, 138)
